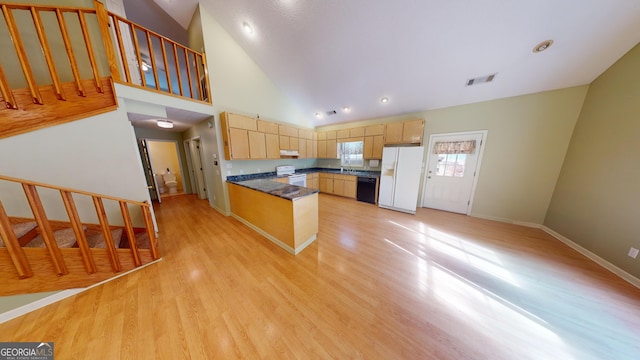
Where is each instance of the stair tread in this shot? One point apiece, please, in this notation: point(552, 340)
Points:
point(97, 241)
point(142, 239)
point(65, 238)
point(20, 229)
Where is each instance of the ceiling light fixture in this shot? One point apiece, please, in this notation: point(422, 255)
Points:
point(346, 109)
point(542, 46)
point(319, 115)
point(384, 100)
point(247, 28)
point(165, 124)
point(145, 66)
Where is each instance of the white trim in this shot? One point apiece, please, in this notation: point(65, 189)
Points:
point(597, 259)
point(507, 220)
point(474, 185)
point(24, 309)
point(274, 240)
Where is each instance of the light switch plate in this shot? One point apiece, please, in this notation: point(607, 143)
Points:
point(633, 252)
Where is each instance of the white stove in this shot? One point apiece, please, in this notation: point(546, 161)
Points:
point(290, 171)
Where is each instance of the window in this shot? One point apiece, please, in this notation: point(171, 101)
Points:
point(452, 157)
point(351, 154)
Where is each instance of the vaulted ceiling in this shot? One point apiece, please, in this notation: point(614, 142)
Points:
point(330, 54)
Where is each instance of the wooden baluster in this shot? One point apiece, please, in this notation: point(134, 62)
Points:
point(103, 22)
point(44, 44)
point(16, 253)
point(166, 65)
point(72, 58)
point(22, 55)
point(92, 56)
point(136, 45)
point(151, 232)
point(186, 61)
point(123, 54)
point(152, 57)
point(130, 233)
point(198, 77)
point(5, 90)
point(81, 238)
point(175, 58)
point(206, 77)
point(106, 232)
point(45, 228)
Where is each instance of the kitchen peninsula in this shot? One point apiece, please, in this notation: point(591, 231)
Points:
point(285, 214)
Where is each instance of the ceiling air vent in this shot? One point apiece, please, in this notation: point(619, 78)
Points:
point(332, 112)
point(481, 80)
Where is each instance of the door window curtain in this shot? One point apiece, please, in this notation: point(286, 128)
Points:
point(455, 147)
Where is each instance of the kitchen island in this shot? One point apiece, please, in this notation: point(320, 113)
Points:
point(285, 214)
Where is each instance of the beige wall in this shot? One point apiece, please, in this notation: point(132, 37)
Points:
point(164, 155)
point(597, 199)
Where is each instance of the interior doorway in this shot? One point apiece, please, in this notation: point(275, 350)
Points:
point(196, 167)
point(166, 166)
point(453, 165)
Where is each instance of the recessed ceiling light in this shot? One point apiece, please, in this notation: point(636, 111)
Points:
point(165, 124)
point(346, 109)
point(542, 46)
point(318, 115)
point(247, 28)
point(384, 100)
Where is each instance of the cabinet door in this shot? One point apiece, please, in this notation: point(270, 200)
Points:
point(342, 134)
point(326, 185)
point(412, 131)
point(350, 188)
point(367, 150)
point(293, 143)
point(332, 150)
point(310, 147)
point(239, 143)
point(321, 136)
point(284, 143)
point(302, 148)
point(267, 127)
point(378, 144)
point(322, 149)
point(338, 187)
point(242, 122)
point(393, 133)
point(257, 145)
point(356, 132)
point(331, 135)
point(374, 130)
point(273, 146)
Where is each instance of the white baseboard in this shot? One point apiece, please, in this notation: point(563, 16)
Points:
point(597, 259)
point(273, 239)
point(507, 220)
point(24, 309)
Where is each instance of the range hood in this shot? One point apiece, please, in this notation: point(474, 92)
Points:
point(289, 153)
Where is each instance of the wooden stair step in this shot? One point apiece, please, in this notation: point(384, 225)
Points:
point(21, 229)
point(142, 239)
point(97, 241)
point(64, 237)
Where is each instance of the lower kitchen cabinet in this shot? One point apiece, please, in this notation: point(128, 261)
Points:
point(339, 184)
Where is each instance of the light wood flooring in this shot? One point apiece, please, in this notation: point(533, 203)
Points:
point(377, 284)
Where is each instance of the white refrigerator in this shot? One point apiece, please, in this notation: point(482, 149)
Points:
point(400, 178)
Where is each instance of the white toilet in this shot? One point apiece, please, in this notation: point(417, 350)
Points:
point(170, 182)
point(160, 183)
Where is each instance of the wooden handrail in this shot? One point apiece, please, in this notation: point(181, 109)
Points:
point(81, 192)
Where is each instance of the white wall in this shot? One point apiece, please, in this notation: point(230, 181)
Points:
point(97, 154)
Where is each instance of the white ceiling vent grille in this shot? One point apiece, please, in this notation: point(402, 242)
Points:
point(481, 80)
point(332, 112)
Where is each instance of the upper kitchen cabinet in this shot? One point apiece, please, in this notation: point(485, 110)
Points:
point(288, 137)
point(235, 135)
point(407, 132)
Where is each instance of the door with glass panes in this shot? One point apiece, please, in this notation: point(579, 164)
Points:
point(452, 167)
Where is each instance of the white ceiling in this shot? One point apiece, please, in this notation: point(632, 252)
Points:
point(327, 54)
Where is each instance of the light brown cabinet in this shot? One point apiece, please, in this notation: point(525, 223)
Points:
point(313, 181)
point(238, 144)
point(374, 130)
point(332, 149)
point(356, 132)
point(342, 134)
point(339, 184)
point(302, 148)
point(267, 127)
point(322, 149)
point(257, 145)
point(373, 147)
point(273, 146)
point(408, 132)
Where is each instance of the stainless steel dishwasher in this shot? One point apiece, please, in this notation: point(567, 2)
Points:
point(367, 189)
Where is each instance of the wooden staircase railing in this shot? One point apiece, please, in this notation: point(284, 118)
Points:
point(81, 51)
point(66, 263)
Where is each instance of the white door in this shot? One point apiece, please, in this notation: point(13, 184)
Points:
point(196, 153)
point(452, 166)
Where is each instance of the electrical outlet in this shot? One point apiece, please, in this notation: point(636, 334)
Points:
point(633, 252)
point(229, 166)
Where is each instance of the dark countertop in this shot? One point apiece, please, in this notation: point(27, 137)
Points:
point(285, 191)
point(271, 175)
